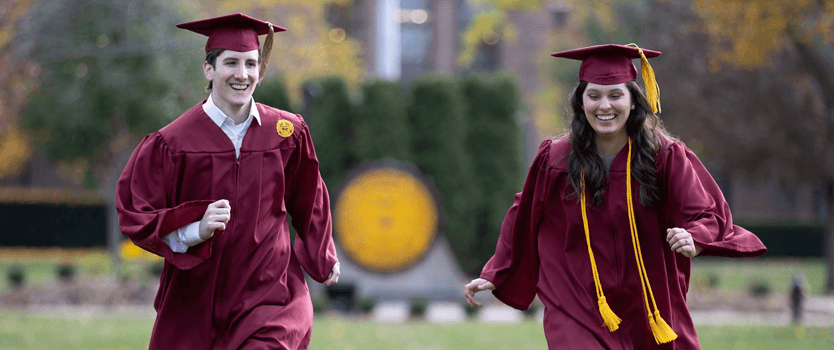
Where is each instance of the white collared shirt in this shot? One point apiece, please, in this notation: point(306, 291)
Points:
point(235, 132)
point(189, 235)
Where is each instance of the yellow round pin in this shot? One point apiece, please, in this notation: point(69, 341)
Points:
point(285, 128)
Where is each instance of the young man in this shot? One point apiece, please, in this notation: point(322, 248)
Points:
point(211, 193)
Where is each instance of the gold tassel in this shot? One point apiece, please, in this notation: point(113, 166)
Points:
point(661, 330)
point(267, 49)
point(652, 89)
point(611, 320)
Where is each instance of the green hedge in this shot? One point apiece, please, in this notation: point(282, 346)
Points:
point(790, 239)
point(494, 145)
point(381, 124)
point(331, 128)
point(272, 92)
point(438, 123)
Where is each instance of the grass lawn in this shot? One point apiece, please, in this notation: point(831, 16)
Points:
point(737, 274)
point(22, 331)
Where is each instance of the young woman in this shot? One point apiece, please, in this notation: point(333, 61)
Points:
point(609, 217)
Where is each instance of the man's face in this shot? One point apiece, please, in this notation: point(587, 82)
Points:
point(234, 77)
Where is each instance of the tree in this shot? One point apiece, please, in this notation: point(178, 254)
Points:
point(309, 49)
point(111, 72)
point(16, 84)
point(788, 46)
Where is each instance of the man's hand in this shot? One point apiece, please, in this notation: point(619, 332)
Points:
point(216, 217)
point(334, 275)
point(681, 241)
point(477, 285)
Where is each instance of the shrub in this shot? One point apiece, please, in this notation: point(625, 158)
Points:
point(341, 296)
point(155, 268)
point(65, 272)
point(494, 144)
point(381, 124)
point(470, 311)
point(331, 126)
point(417, 307)
point(438, 125)
point(16, 276)
point(713, 280)
point(319, 304)
point(366, 305)
point(273, 93)
point(760, 288)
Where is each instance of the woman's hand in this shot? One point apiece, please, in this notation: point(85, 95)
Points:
point(477, 285)
point(681, 241)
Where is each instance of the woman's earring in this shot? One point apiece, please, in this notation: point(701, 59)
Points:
point(632, 106)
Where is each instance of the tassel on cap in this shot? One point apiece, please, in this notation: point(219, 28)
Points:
point(267, 49)
point(652, 89)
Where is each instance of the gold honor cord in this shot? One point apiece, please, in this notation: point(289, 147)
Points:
point(609, 318)
point(661, 330)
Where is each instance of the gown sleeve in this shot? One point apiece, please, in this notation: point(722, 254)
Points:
point(696, 204)
point(145, 213)
point(514, 268)
point(308, 203)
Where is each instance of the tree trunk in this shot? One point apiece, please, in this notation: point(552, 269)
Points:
point(107, 175)
point(829, 238)
point(114, 235)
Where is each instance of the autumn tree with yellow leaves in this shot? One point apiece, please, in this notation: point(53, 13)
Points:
point(16, 84)
point(310, 48)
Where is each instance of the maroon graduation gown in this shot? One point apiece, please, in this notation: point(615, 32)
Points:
point(542, 249)
point(243, 287)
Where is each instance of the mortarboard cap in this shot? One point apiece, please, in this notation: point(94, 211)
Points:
point(611, 64)
point(236, 32)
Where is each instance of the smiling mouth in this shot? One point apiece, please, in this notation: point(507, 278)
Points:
point(239, 87)
point(606, 117)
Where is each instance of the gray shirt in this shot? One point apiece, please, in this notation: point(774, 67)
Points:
point(606, 161)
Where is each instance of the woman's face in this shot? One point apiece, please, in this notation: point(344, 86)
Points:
point(607, 108)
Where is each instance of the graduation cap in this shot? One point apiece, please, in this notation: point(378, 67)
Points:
point(235, 32)
point(611, 64)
